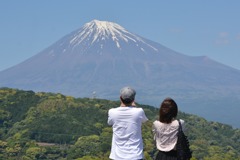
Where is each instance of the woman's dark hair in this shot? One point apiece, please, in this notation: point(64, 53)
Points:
point(168, 110)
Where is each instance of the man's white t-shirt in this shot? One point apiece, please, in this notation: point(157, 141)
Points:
point(127, 141)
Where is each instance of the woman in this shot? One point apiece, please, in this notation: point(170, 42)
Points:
point(165, 130)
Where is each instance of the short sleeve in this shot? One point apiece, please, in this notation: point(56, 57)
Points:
point(110, 122)
point(144, 117)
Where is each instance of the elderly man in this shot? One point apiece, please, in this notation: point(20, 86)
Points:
point(126, 122)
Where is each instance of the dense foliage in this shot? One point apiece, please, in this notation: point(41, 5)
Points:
point(54, 126)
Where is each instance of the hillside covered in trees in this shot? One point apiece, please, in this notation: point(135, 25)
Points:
point(55, 126)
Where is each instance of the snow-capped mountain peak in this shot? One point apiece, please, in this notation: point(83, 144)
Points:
point(105, 28)
point(100, 30)
point(96, 31)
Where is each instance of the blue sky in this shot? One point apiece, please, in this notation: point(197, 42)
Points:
point(196, 28)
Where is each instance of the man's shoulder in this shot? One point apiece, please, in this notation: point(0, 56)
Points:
point(126, 108)
point(139, 109)
point(113, 109)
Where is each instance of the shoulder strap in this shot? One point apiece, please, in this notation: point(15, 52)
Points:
point(180, 125)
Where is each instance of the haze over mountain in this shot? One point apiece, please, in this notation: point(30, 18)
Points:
point(102, 57)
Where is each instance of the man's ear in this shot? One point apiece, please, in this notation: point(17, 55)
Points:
point(134, 104)
point(121, 98)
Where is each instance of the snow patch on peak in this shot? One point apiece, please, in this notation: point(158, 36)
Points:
point(96, 31)
point(106, 29)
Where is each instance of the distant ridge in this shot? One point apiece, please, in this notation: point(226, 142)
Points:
point(101, 57)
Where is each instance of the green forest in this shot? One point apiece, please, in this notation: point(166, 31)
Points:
point(39, 125)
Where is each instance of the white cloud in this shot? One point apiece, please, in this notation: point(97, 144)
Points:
point(222, 39)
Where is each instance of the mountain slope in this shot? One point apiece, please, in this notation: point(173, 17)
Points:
point(102, 57)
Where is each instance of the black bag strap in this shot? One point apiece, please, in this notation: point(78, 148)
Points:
point(184, 149)
point(180, 126)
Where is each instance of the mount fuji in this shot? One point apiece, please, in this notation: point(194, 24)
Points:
point(102, 57)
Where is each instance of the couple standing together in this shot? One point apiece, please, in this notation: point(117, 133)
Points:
point(126, 122)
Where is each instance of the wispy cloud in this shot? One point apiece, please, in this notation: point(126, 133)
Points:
point(238, 37)
point(222, 39)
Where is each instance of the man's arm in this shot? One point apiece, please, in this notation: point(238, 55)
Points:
point(144, 117)
point(110, 122)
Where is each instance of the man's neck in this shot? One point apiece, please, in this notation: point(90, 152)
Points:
point(126, 105)
point(123, 105)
